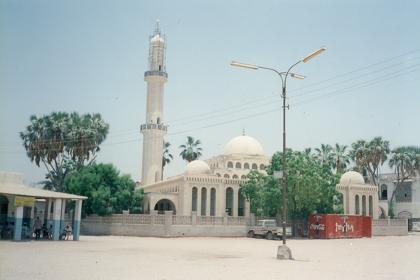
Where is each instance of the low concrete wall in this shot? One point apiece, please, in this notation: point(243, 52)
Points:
point(162, 230)
point(389, 227)
point(165, 225)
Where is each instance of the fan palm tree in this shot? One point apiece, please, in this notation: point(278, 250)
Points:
point(191, 150)
point(167, 156)
point(324, 154)
point(341, 157)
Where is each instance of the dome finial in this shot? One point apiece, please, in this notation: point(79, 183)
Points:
point(243, 131)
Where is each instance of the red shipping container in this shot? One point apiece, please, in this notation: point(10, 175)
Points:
point(339, 226)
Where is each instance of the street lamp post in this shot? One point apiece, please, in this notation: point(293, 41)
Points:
point(283, 252)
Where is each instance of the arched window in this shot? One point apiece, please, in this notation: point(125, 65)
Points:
point(230, 164)
point(158, 120)
point(203, 201)
point(241, 204)
point(370, 206)
point(262, 167)
point(238, 165)
point(229, 201)
point(243, 177)
point(357, 204)
point(364, 205)
point(246, 165)
point(235, 177)
point(226, 176)
point(384, 192)
point(194, 199)
point(213, 202)
point(254, 166)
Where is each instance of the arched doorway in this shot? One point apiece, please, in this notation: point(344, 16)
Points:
point(229, 201)
point(164, 205)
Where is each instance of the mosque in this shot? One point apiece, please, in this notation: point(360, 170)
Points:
point(208, 188)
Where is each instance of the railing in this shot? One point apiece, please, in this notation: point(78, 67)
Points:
point(156, 73)
point(138, 219)
point(390, 222)
point(153, 126)
point(161, 219)
point(181, 220)
point(209, 220)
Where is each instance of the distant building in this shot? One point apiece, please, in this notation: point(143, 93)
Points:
point(406, 198)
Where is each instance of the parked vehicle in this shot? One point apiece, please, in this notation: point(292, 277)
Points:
point(268, 229)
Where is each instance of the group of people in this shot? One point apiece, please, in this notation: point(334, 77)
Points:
point(47, 233)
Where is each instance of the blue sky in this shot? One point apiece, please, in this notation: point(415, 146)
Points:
point(90, 56)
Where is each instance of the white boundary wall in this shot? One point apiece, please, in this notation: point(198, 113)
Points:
point(167, 225)
point(389, 227)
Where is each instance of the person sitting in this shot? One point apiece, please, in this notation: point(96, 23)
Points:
point(67, 230)
point(37, 228)
point(44, 231)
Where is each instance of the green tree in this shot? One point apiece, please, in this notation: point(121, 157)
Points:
point(406, 162)
point(340, 158)
point(191, 150)
point(166, 157)
point(107, 190)
point(63, 142)
point(310, 187)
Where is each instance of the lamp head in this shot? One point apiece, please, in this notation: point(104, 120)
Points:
point(312, 55)
point(244, 65)
point(297, 76)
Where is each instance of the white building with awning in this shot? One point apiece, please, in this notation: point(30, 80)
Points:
point(18, 207)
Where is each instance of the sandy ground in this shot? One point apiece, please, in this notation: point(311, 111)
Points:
point(115, 257)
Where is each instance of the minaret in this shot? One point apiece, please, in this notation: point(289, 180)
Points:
point(154, 129)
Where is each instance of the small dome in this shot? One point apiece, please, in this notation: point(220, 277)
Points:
point(243, 145)
point(197, 167)
point(351, 177)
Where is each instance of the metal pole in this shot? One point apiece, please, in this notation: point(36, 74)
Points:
point(283, 181)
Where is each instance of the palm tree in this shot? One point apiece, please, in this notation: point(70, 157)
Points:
point(191, 150)
point(324, 154)
point(369, 156)
point(341, 157)
point(378, 154)
point(166, 157)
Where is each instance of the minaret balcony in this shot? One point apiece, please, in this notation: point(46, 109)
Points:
point(155, 73)
point(150, 126)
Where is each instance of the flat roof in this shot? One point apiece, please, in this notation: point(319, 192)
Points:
point(17, 189)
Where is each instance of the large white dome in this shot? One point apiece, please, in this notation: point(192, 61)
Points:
point(351, 177)
point(197, 167)
point(244, 145)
